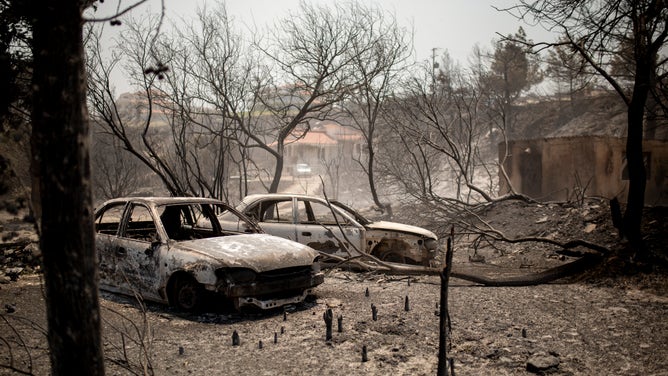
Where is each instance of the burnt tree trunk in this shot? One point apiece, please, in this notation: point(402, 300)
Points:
point(444, 314)
point(634, 155)
point(278, 171)
point(371, 177)
point(60, 145)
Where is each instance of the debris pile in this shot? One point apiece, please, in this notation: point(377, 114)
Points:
point(17, 258)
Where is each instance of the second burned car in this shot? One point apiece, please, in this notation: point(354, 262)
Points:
point(338, 229)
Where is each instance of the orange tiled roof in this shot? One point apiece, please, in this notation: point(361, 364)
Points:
point(311, 138)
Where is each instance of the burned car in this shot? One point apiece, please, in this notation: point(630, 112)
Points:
point(311, 221)
point(173, 250)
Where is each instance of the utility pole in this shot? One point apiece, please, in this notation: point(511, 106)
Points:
point(434, 67)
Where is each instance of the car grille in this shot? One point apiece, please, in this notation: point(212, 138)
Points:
point(285, 273)
point(275, 284)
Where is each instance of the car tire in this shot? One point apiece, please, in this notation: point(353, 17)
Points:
point(388, 252)
point(393, 257)
point(187, 294)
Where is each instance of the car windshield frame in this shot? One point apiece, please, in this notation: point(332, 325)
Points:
point(211, 212)
point(358, 217)
point(231, 210)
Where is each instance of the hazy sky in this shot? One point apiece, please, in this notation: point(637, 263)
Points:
point(452, 25)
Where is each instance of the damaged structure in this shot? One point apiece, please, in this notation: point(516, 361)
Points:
point(579, 149)
point(565, 167)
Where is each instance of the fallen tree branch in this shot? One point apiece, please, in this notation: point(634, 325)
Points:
point(550, 275)
point(375, 265)
point(17, 244)
point(491, 232)
point(369, 263)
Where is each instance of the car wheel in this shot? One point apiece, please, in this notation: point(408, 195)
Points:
point(187, 294)
point(388, 251)
point(393, 257)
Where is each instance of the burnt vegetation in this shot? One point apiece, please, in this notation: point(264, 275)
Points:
point(219, 111)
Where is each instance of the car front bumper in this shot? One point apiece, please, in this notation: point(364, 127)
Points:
point(272, 294)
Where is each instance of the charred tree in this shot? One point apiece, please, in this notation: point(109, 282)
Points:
point(60, 149)
point(444, 314)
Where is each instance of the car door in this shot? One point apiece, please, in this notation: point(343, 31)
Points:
point(138, 253)
point(107, 227)
point(327, 230)
point(275, 216)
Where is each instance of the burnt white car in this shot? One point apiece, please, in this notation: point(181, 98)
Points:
point(173, 250)
point(310, 221)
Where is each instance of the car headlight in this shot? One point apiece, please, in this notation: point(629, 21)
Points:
point(238, 275)
point(315, 267)
point(431, 244)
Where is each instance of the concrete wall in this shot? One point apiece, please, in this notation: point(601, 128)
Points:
point(560, 168)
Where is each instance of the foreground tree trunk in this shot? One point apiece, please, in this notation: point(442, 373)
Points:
point(644, 70)
point(60, 144)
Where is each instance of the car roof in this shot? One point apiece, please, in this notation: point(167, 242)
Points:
point(256, 196)
point(164, 200)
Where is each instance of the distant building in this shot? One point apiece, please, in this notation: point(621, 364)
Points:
point(564, 167)
point(584, 155)
point(327, 143)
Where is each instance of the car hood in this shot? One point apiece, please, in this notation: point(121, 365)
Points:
point(259, 252)
point(400, 227)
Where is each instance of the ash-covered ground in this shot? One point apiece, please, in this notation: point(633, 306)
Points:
point(591, 325)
